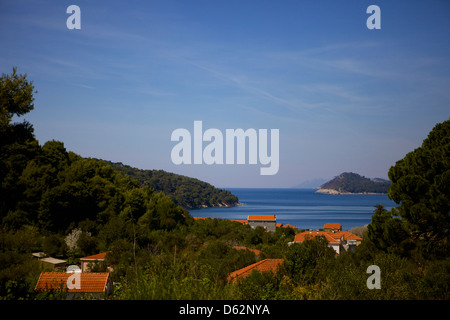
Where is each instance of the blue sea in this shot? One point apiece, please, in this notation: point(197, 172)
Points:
point(303, 208)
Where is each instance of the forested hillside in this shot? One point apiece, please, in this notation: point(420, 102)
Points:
point(187, 192)
point(349, 182)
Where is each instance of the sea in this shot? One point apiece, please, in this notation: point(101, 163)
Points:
point(302, 208)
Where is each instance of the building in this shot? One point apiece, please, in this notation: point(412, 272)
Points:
point(266, 265)
point(350, 240)
point(309, 235)
point(269, 223)
point(88, 262)
point(338, 240)
point(49, 262)
point(332, 227)
point(93, 283)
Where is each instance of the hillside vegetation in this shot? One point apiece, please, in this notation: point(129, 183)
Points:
point(190, 193)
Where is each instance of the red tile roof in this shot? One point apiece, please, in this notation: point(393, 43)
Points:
point(307, 235)
point(332, 237)
point(265, 265)
point(346, 235)
point(89, 282)
point(262, 218)
point(99, 256)
point(332, 226)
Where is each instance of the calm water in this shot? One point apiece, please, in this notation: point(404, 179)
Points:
point(302, 208)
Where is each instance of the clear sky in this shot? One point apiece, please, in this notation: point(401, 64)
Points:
point(345, 98)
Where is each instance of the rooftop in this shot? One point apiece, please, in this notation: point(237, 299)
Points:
point(262, 218)
point(331, 237)
point(99, 256)
point(332, 226)
point(266, 265)
point(307, 235)
point(89, 282)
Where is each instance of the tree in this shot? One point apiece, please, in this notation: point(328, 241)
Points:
point(421, 185)
point(388, 232)
point(302, 259)
point(16, 97)
point(17, 143)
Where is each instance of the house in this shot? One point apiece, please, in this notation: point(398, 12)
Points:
point(49, 262)
point(266, 265)
point(93, 283)
point(88, 262)
point(332, 227)
point(338, 240)
point(308, 235)
point(269, 223)
point(349, 239)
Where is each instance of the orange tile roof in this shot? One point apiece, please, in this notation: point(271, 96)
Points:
point(99, 256)
point(265, 265)
point(332, 237)
point(347, 235)
point(332, 226)
point(263, 218)
point(306, 235)
point(89, 282)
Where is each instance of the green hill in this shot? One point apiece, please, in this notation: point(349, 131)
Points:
point(349, 182)
point(190, 193)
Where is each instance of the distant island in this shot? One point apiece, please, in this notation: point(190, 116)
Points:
point(190, 193)
point(353, 183)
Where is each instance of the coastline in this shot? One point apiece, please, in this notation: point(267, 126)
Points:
point(300, 207)
point(219, 205)
point(335, 192)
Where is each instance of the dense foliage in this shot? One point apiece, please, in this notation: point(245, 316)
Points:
point(349, 182)
point(55, 201)
point(421, 187)
point(187, 192)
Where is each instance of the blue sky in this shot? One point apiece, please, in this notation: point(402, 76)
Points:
point(345, 98)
